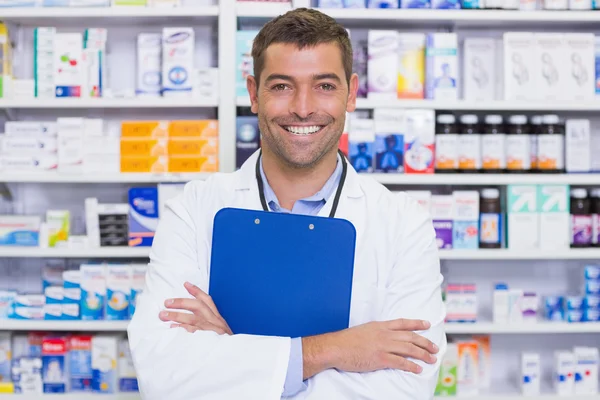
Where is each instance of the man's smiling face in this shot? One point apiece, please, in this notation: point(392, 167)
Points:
point(301, 101)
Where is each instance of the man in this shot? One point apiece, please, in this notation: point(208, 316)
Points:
point(183, 349)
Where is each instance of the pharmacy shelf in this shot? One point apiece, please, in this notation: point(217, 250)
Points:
point(143, 252)
point(522, 328)
point(19, 14)
point(57, 252)
point(70, 326)
point(466, 17)
point(261, 9)
point(158, 102)
point(486, 179)
point(53, 177)
point(510, 254)
point(462, 105)
point(518, 396)
point(73, 396)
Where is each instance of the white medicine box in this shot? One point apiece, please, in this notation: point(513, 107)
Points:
point(551, 71)
point(580, 63)
point(519, 66)
point(479, 69)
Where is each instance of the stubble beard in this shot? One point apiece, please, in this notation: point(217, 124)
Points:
point(271, 138)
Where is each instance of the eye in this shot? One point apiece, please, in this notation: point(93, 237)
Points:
point(327, 87)
point(279, 87)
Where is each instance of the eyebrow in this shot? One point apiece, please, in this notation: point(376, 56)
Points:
point(316, 77)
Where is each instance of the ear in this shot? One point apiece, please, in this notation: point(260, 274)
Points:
point(253, 92)
point(352, 93)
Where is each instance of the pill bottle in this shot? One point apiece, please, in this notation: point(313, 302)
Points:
point(551, 145)
point(493, 144)
point(490, 220)
point(581, 218)
point(518, 145)
point(536, 124)
point(469, 144)
point(446, 144)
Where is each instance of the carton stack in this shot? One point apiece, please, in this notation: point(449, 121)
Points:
point(169, 146)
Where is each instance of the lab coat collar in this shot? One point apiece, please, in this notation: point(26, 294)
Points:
point(245, 178)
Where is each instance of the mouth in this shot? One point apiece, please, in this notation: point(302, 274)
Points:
point(301, 130)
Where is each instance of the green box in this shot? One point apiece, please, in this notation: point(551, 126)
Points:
point(448, 377)
point(553, 198)
point(521, 199)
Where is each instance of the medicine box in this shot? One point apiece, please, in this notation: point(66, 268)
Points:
point(523, 217)
point(442, 214)
point(580, 62)
point(551, 77)
point(53, 309)
point(27, 375)
point(389, 140)
point(193, 146)
point(465, 229)
point(118, 292)
point(419, 141)
point(564, 373)
point(80, 363)
point(139, 164)
point(247, 139)
point(59, 227)
point(244, 61)
point(39, 163)
point(441, 63)
point(198, 129)
point(19, 230)
point(411, 66)
point(361, 138)
point(485, 360)
point(479, 66)
point(5, 357)
point(30, 129)
point(138, 281)
point(553, 207)
point(127, 375)
point(29, 145)
point(145, 129)
point(382, 75)
point(93, 291)
point(143, 147)
point(578, 145)
point(520, 66)
point(68, 67)
point(54, 364)
point(149, 60)
point(104, 363)
point(530, 374)
point(586, 371)
point(448, 376)
point(193, 164)
point(177, 61)
point(468, 378)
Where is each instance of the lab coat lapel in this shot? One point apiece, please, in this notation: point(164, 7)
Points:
point(246, 187)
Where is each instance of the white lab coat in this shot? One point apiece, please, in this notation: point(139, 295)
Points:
point(397, 275)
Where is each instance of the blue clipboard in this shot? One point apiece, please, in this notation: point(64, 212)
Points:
point(279, 274)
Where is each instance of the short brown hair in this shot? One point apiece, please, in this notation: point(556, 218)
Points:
point(304, 28)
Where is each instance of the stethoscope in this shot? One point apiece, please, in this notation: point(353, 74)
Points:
point(338, 193)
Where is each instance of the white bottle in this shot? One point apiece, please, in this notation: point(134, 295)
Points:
point(469, 144)
point(446, 143)
point(518, 145)
point(501, 306)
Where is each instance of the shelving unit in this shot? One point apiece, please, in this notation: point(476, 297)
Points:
point(52, 177)
point(100, 252)
point(28, 13)
point(65, 326)
point(523, 328)
point(137, 103)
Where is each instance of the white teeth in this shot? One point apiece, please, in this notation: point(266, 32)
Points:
point(303, 130)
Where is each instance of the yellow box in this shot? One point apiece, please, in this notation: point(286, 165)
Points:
point(193, 146)
point(201, 128)
point(187, 164)
point(144, 164)
point(145, 129)
point(143, 147)
point(7, 387)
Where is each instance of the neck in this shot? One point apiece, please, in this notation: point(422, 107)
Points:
point(292, 184)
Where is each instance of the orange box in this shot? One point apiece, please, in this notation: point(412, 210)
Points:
point(193, 146)
point(145, 129)
point(143, 147)
point(185, 164)
point(144, 164)
point(200, 128)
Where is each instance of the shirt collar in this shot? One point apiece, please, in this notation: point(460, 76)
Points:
point(322, 195)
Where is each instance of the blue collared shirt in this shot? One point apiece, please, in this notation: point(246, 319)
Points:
point(308, 206)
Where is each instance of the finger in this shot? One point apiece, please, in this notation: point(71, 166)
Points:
point(403, 324)
point(181, 318)
point(206, 327)
point(396, 362)
point(417, 340)
point(196, 306)
point(409, 350)
point(200, 295)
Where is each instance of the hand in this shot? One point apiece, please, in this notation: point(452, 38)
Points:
point(204, 317)
point(370, 347)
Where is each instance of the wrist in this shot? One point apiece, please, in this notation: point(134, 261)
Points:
point(319, 353)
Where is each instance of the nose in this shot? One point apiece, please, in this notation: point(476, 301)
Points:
point(303, 103)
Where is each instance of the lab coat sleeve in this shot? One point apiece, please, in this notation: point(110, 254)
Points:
point(412, 291)
point(174, 364)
